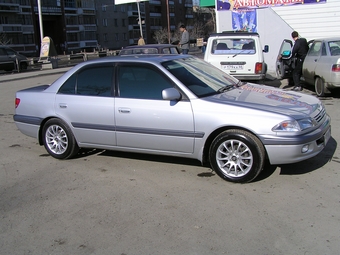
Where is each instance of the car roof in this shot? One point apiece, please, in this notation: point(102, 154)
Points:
point(150, 46)
point(143, 58)
point(327, 39)
point(234, 33)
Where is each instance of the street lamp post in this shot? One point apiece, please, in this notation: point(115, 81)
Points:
point(139, 19)
point(40, 21)
point(168, 17)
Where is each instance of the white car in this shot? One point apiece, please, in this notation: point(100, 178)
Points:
point(321, 67)
point(239, 54)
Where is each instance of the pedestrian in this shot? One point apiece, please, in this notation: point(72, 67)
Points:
point(141, 41)
point(299, 52)
point(185, 40)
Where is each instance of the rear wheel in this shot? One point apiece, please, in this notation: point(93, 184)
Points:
point(59, 140)
point(237, 156)
point(319, 87)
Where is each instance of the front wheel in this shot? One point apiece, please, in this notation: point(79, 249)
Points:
point(237, 156)
point(59, 140)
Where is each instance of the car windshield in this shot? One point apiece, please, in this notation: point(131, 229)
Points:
point(232, 46)
point(201, 78)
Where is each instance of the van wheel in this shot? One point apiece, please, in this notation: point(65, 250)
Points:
point(237, 156)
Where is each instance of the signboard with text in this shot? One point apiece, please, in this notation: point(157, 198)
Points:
point(247, 4)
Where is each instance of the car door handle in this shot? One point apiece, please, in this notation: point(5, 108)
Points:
point(63, 106)
point(124, 110)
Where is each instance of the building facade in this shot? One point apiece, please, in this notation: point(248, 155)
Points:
point(86, 25)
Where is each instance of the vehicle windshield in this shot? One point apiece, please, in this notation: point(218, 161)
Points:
point(232, 46)
point(200, 77)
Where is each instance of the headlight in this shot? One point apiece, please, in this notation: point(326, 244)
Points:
point(294, 125)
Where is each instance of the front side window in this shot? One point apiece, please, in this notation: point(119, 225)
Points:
point(94, 81)
point(230, 46)
point(143, 82)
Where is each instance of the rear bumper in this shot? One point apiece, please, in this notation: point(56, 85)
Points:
point(249, 77)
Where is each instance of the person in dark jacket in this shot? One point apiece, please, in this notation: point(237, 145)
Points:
point(299, 52)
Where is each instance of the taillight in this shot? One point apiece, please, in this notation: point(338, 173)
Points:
point(336, 68)
point(17, 102)
point(258, 68)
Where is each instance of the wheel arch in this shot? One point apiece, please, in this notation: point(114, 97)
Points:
point(42, 124)
point(218, 131)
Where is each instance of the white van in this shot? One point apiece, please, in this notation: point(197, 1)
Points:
point(239, 54)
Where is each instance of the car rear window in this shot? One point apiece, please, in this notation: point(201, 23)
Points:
point(139, 51)
point(228, 46)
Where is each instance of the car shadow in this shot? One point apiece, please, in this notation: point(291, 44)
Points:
point(299, 168)
point(138, 156)
point(328, 96)
point(273, 82)
point(302, 167)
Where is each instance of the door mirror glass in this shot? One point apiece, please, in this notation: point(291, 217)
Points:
point(286, 53)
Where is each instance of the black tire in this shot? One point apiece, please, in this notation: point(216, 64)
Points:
point(319, 87)
point(23, 66)
point(59, 140)
point(237, 156)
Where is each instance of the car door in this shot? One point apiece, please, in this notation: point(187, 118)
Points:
point(311, 62)
point(144, 120)
point(284, 61)
point(86, 102)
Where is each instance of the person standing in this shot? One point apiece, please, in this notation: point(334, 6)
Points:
point(299, 52)
point(141, 41)
point(185, 40)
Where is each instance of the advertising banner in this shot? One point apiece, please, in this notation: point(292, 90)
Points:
point(244, 20)
point(246, 4)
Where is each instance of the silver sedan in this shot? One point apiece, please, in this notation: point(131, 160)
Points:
point(173, 105)
point(322, 65)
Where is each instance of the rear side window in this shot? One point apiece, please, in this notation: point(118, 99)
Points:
point(334, 48)
point(3, 52)
point(229, 46)
point(94, 81)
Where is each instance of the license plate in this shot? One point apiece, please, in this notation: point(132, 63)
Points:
point(232, 67)
point(326, 136)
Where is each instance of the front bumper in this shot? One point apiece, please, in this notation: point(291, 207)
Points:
point(292, 153)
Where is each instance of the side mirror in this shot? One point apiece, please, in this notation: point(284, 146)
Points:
point(286, 54)
point(266, 48)
point(171, 94)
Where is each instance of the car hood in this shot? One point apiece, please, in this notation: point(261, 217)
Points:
point(267, 98)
